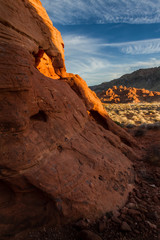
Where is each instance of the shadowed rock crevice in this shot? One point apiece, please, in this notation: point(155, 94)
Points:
point(38, 56)
point(99, 119)
point(6, 172)
point(126, 141)
point(40, 116)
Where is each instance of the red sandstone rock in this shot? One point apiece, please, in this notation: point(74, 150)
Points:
point(124, 95)
point(125, 227)
point(56, 139)
point(102, 226)
point(88, 235)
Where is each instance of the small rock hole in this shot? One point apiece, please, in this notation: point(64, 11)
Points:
point(60, 148)
point(40, 116)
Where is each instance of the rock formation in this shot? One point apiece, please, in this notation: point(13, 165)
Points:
point(62, 157)
point(142, 78)
point(122, 94)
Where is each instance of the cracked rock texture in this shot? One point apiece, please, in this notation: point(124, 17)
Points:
point(61, 156)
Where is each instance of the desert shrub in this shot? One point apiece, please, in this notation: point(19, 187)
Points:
point(123, 119)
point(136, 114)
point(154, 126)
point(157, 117)
point(118, 123)
point(152, 111)
point(130, 126)
point(143, 126)
point(135, 118)
point(141, 118)
point(150, 126)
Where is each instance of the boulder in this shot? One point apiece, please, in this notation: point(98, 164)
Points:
point(56, 139)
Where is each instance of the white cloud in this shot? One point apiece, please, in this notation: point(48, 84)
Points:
point(83, 54)
point(83, 44)
point(86, 57)
point(109, 70)
point(149, 46)
point(102, 11)
point(80, 43)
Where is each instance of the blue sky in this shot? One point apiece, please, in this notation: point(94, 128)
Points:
point(105, 39)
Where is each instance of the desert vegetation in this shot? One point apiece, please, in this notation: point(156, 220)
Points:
point(135, 114)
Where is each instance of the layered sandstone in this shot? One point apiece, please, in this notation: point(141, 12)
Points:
point(122, 94)
point(62, 158)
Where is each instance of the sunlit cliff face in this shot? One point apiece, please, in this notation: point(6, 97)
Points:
point(54, 46)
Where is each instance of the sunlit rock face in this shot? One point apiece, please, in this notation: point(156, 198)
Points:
point(122, 94)
point(62, 158)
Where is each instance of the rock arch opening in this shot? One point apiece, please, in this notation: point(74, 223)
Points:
point(44, 64)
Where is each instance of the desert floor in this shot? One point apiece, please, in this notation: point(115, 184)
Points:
point(135, 114)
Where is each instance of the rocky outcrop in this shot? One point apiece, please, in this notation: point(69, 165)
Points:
point(143, 78)
point(122, 94)
point(62, 157)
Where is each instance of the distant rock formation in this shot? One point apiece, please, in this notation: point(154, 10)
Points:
point(122, 94)
point(62, 157)
point(143, 78)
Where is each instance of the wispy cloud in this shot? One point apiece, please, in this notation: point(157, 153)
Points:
point(80, 43)
point(149, 46)
point(89, 57)
point(107, 70)
point(102, 11)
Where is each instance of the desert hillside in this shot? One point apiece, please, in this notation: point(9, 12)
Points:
point(122, 94)
point(143, 78)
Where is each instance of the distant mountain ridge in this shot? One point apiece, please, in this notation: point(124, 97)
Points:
point(143, 78)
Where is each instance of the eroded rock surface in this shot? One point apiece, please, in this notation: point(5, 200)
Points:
point(62, 158)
